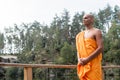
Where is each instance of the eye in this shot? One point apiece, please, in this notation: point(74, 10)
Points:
point(85, 18)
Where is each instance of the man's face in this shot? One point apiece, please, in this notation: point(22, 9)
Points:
point(87, 20)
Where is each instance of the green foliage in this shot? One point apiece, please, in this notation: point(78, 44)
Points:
point(112, 44)
point(67, 55)
point(112, 56)
point(76, 25)
point(40, 73)
point(20, 72)
point(2, 44)
point(12, 72)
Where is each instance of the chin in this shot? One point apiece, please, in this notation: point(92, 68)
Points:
point(85, 24)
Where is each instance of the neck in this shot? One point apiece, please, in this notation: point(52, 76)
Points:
point(89, 27)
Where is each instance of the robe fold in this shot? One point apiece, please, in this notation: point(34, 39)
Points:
point(85, 47)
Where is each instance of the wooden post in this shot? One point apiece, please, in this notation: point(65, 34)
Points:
point(27, 73)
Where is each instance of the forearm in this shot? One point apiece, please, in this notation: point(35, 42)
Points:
point(94, 54)
point(90, 57)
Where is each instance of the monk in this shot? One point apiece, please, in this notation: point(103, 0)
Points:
point(89, 46)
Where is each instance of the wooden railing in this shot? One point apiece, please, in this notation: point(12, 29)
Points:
point(28, 67)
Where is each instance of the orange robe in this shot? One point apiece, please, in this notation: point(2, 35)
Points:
point(92, 70)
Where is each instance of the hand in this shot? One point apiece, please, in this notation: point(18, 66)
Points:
point(84, 61)
point(80, 61)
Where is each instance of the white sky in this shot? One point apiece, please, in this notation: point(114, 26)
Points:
point(43, 11)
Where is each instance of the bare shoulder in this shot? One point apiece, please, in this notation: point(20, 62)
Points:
point(97, 31)
point(98, 34)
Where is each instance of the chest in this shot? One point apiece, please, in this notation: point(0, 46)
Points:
point(88, 34)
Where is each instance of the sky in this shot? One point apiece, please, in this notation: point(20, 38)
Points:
point(27, 11)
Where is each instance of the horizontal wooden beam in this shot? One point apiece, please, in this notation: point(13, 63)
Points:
point(38, 65)
point(48, 65)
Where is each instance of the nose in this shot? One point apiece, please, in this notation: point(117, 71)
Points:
point(83, 20)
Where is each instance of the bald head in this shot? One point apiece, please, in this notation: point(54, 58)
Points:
point(90, 16)
point(88, 19)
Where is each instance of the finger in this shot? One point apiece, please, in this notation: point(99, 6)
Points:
point(81, 62)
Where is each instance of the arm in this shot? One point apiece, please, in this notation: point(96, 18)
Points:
point(98, 37)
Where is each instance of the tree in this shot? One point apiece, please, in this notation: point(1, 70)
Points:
point(66, 54)
point(76, 26)
point(116, 15)
point(113, 41)
point(1, 43)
